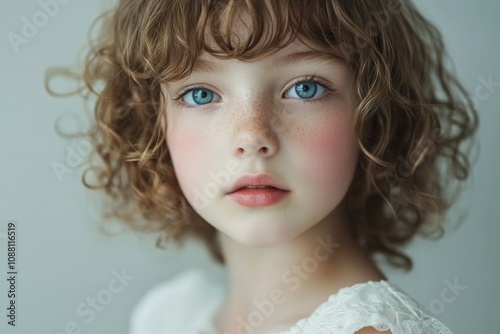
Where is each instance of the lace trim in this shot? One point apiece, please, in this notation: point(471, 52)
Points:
point(380, 305)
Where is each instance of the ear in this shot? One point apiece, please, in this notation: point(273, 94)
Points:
point(163, 122)
point(163, 113)
point(163, 126)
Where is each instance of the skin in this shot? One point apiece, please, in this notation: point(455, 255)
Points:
point(257, 121)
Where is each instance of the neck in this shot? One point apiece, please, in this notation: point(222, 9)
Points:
point(295, 276)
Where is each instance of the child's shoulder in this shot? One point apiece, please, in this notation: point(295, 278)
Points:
point(370, 307)
point(187, 299)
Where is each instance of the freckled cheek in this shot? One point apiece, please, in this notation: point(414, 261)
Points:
point(331, 156)
point(190, 159)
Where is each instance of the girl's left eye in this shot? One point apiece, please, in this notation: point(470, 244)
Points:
point(200, 96)
point(306, 90)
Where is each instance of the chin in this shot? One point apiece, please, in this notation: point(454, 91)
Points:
point(259, 235)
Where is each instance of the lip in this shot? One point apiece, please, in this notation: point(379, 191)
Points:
point(257, 197)
point(256, 180)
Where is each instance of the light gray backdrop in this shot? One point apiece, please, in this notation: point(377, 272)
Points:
point(63, 260)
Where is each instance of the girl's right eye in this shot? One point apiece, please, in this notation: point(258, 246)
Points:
point(199, 96)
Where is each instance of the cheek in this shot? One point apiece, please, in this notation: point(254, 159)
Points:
point(189, 157)
point(331, 155)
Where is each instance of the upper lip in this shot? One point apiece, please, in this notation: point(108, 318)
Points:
point(256, 180)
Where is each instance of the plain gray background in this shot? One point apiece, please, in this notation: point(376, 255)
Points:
point(62, 258)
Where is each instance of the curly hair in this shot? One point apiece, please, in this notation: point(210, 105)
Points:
point(412, 116)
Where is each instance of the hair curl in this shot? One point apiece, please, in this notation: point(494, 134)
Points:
point(411, 119)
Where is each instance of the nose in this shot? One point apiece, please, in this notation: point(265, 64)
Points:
point(254, 134)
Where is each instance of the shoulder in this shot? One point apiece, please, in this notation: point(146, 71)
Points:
point(371, 307)
point(170, 305)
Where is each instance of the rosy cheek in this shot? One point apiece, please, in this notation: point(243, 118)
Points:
point(189, 158)
point(331, 155)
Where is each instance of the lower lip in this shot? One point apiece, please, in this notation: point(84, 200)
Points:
point(258, 197)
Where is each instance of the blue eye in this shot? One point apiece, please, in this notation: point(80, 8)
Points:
point(306, 90)
point(200, 96)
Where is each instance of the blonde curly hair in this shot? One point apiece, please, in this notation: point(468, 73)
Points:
point(411, 120)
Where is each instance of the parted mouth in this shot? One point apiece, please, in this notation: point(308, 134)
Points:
point(260, 181)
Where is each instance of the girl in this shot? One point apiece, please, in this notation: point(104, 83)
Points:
point(297, 139)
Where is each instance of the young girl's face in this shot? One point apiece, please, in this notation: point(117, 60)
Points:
point(289, 115)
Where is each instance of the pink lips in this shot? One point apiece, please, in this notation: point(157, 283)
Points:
point(252, 197)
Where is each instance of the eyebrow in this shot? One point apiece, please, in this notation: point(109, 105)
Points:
point(305, 55)
point(210, 66)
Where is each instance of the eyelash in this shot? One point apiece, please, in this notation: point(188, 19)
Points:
point(312, 78)
point(189, 90)
point(308, 78)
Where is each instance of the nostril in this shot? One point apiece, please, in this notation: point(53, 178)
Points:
point(251, 144)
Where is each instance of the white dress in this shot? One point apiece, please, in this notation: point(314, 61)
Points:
point(188, 303)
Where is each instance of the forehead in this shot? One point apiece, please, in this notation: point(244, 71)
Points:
point(294, 52)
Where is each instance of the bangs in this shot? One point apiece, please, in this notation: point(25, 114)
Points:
point(246, 30)
point(171, 35)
